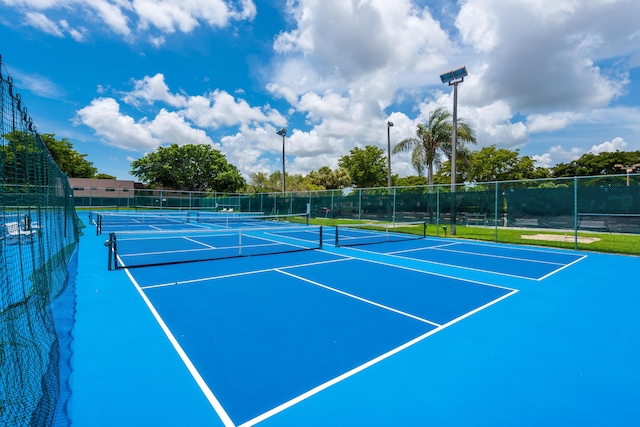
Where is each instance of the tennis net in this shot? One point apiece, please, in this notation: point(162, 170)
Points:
point(123, 221)
point(113, 221)
point(138, 249)
point(371, 233)
point(247, 220)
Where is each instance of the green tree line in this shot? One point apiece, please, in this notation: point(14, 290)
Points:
point(203, 168)
point(21, 144)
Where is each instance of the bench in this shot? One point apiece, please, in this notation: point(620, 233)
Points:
point(593, 224)
point(475, 219)
point(526, 222)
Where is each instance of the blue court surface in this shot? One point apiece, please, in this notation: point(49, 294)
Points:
point(423, 332)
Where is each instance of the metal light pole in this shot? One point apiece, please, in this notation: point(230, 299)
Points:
point(389, 124)
point(283, 132)
point(628, 169)
point(453, 78)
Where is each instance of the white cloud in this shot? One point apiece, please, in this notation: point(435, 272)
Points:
point(543, 54)
point(617, 144)
point(538, 123)
point(152, 89)
point(328, 106)
point(123, 17)
point(39, 85)
point(358, 44)
point(345, 67)
point(41, 22)
point(221, 109)
point(58, 29)
point(557, 154)
point(103, 115)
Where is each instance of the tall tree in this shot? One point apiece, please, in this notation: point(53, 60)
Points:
point(590, 164)
point(367, 167)
point(104, 176)
point(189, 167)
point(259, 182)
point(501, 164)
point(74, 164)
point(329, 179)
point(435, 137)
point(70, 161)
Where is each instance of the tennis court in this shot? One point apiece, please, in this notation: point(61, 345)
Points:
point(418, 331)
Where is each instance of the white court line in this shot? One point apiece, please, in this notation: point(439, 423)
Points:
point(431, 273)
point(199, 242)
point(283, 234)
point(562, 268)
point(244, 273)
point(518, 247)
point(497, 256)
point(208, 248)
point(462, 267)
point(215, 403)
point(366, 365)
point(386, 307)
point(422, 248)
point(276, 242)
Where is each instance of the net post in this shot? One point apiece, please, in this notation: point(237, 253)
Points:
point(576, 223)
point(320, 238)
point(240, 242)
point(424, 230)
point(109, 245)
point(336, 241)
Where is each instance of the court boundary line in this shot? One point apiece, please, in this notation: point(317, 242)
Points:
point(286, 405)
point(350, 295)
point(217, 406)
point(462, 279)
point(195, 374)
point(243, 273)
point(436, 248)
point(563, 267)
point(452, 265)
point(208, 248)
point(515, 247)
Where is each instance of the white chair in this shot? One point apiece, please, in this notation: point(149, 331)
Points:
point(15, 234)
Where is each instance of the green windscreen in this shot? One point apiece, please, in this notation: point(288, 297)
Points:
point(38, 236)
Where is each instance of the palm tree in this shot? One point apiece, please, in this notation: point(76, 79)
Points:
point(433, 137)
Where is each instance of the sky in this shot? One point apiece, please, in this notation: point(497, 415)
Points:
point(554, 79)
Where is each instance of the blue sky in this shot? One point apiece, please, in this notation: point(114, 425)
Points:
point(118, 78)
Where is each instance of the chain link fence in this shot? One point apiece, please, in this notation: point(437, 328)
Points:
point(38, 236)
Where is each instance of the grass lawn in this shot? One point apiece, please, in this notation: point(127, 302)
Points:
point(628, 244)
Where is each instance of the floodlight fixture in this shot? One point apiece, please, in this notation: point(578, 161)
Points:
point(283, 132)
point(453, 78)
point(450, 77)
point(389, 124)
point(627, 169)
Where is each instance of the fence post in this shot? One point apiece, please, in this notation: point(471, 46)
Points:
point(495, 219)
point(575, 212)
point(393, 218)
point(438, 211)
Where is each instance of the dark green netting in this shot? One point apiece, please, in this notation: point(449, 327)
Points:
point(38, 237)
point(609, 203)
